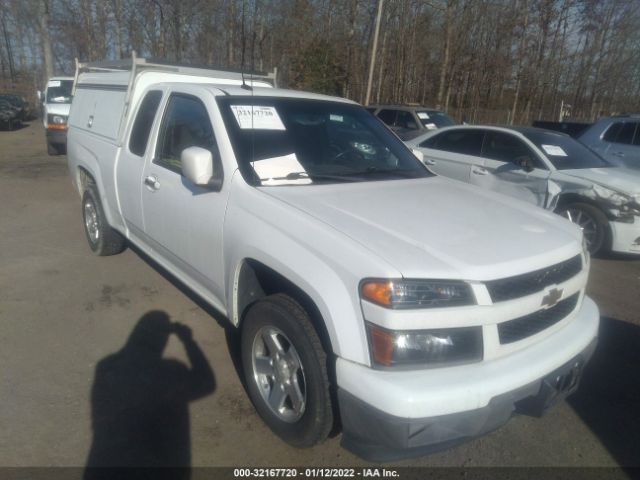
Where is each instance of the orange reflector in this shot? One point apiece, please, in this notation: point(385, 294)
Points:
point(57, 126)
point(378, 292)
point(381, 345)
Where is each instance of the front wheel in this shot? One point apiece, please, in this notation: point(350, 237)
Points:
point(593, 222)
point(103, 240)
point(285, 369)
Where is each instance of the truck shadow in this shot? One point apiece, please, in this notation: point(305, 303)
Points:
point(139, 402)
point(608, 400)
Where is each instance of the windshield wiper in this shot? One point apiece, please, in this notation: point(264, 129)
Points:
point(312, 176)
point(404, 173)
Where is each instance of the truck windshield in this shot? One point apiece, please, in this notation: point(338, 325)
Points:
point(59, 91)
point(564, 152)
point(290, 141)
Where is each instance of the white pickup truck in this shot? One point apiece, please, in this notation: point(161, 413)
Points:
point(413, 311)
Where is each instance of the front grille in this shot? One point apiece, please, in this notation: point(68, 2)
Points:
point(523, 327)
point(532, 282)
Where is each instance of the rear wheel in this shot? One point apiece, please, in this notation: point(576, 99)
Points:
point(103, 240)
point(593, 222)
point(285, 369)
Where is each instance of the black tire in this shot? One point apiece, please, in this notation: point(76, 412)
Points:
point(593, 222)
point(52, 149)
point(103, 240)
point(283, 314)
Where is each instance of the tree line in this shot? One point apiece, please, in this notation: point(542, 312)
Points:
point(498, 61)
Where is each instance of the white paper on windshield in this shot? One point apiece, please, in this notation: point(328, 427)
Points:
point(423, 115)
point(336, 118)
point(53, 83)
point(257, 117)
point(554, 150)
point(430, 126)
point(272, 171)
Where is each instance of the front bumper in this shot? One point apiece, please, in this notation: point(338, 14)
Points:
point(407, 414)
point(57, 136)
point(625, 237)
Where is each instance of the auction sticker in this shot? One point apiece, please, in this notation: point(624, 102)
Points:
point(257, 117)
point(554, 150)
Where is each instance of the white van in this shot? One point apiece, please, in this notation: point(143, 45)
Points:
point(415, 311)
point(56, 102)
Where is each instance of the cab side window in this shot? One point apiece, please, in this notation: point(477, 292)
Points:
point(467, 142)
point(621, 132)
point(143, 122)
point(508, 148)
point(406, 120)
point(387, 116)
point(185, 124)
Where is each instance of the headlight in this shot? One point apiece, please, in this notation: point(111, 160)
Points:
point(426, 348)
point(417, 293)
point(56, 121)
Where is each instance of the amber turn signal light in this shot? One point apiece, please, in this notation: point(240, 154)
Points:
point(382, 344)
point(377, 291)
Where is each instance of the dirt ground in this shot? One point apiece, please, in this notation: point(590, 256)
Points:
point(63, 310)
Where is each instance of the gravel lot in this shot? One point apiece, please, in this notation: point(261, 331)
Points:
point(63, 310)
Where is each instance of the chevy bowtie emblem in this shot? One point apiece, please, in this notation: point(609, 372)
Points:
point(550, 299)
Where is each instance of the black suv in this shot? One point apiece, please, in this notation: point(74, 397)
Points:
point(409, 121)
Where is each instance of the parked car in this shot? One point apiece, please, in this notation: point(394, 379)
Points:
point(20, 103)
point(9, 115)
point(56, 102)
point(616, 138)
point(550, 170)
point(423, 311)
point(409, 121)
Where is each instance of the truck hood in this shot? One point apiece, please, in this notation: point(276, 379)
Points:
point(439, 228)
point(620, 179)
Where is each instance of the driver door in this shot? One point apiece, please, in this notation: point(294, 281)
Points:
point(502, 170)
point(183, 222)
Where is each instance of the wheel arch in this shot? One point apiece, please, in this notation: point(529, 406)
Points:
point(565, 199)
point(255, 280)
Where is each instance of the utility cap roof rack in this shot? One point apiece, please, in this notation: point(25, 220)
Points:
point(135, 64)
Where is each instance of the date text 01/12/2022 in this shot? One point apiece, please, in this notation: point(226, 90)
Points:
point(314, 473)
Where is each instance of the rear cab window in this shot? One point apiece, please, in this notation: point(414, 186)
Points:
point(143, 122)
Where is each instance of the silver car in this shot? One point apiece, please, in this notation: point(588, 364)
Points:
point(548, 169)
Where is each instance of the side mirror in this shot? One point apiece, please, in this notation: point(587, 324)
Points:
point(419, 155)
point(39, 94)
point(525, 163)
point(197, 165)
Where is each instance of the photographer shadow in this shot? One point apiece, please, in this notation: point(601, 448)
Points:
point(140, 401)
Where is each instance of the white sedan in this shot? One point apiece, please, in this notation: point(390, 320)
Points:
point(548, 169)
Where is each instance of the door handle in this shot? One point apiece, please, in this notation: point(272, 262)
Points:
point(618, 154)
point(152, 183)
point(429, 161)
point(479, 171)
